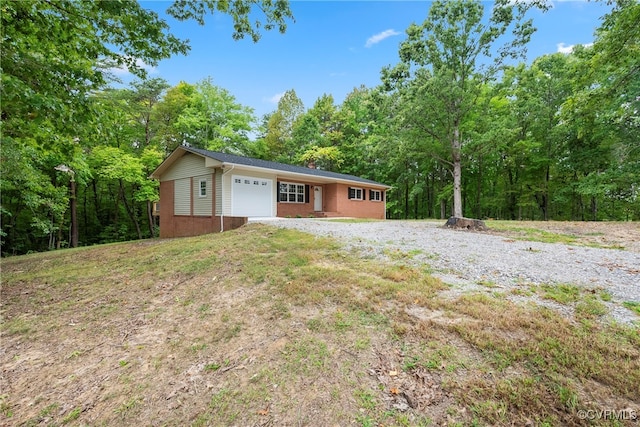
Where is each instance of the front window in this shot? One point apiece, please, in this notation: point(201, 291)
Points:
point(356, 193)
point(375, 195)
point(291, 193)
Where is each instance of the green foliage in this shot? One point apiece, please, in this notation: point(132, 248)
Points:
point(55, 54)
point(57, 60)
point(279, 128)
point(275, 14)
point(214, 120)
point(324, 157)
point(557, 138)
point(444, 63)
point(554, 139)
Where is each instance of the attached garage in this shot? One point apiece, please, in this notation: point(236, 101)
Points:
point(251, 196)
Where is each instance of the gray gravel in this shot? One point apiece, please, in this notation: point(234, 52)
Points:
point(479, 261)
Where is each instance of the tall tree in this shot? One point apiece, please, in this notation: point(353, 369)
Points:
point(457, 51)
point(214, 120)
point(278, 137)
point(146, 94)
point(177, 99)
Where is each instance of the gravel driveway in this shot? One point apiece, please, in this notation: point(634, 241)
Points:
point(467, 260)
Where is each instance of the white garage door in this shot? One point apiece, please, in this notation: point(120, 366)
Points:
point(251, 196)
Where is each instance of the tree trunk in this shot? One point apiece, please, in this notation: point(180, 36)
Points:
point(430, 194)
point(479, 189)
point(96, 202)
point(457, 172)
point(547, 178)
point(545, 204)
point(511, 196)
point(152, 223)
point(130, 210)
point(74, 215)
point(406, 200)
point(85, 217)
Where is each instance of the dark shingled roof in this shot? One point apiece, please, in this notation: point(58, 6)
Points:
point(248, 161)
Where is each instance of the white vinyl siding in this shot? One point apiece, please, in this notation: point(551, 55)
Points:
point(185, 167)
point(182, 196)
point(202, 205)
point(226, 194)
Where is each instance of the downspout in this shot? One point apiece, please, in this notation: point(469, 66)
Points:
point(222, 200)
point(384, 194)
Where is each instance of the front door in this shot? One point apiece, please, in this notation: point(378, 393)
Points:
point(317, 198)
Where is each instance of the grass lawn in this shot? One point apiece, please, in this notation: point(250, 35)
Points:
point(266, 326)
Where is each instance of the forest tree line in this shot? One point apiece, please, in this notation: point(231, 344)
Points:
point(555, 139)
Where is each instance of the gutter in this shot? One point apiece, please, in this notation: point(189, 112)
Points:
point(222, 198)
point(309, 177)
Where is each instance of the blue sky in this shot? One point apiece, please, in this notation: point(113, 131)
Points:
point(333, 47)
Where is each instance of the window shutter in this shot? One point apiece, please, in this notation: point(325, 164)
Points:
point(370, 194)
point(382, 196)
point(306, 193)
point(349, 192)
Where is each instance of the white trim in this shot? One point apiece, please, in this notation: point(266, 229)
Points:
point(306, 177)
point(318, 203)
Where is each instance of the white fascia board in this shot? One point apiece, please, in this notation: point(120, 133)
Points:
point(304, 177)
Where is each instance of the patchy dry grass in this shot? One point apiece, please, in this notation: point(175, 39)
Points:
point(265, 326)
point(619, 235)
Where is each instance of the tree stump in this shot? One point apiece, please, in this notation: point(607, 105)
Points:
point(466, 224)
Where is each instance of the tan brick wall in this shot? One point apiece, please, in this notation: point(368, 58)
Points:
point(358, 208)
point(292, 210)
point(330, 197)
point(186, 226)
point(336, 202)
point(166, 209)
